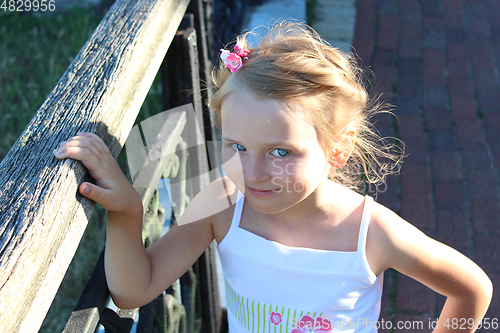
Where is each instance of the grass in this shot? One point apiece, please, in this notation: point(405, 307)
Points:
point(35, 51)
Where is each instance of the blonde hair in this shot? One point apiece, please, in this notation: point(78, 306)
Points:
point(294, 65)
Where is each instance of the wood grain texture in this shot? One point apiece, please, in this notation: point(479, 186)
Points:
point(42, 215)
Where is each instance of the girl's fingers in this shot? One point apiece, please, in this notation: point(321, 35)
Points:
point(89, 139)
point(101, 167)
point(104, 197)
point(110, 185)
point(97, 141)
point(76, 151)
point(85, 140)
point(88, 142)
point(85, 155)
point(94, 192)
point(82, 142)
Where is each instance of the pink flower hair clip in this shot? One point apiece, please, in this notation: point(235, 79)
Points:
point(234, 60)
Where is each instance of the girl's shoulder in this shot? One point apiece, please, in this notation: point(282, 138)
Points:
point(386, 232)
point(393, 242)
point(222, 220)
point(216, 204)
point(213, 203)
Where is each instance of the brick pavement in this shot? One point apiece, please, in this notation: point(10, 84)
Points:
point(438, 62)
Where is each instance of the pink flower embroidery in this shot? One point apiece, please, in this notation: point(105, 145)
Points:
point(275, 318)
point(308, 325)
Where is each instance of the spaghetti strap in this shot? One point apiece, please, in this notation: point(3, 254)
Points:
point(235, 222)
point(238, 210)
point(365, 222)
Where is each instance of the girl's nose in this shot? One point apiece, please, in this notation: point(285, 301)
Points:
point(254, 170)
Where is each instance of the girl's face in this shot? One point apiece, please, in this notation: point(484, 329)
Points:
point(270, 153)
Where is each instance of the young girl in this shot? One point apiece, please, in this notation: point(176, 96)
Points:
point(301, 250)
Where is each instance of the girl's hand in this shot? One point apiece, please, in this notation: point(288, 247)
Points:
point(112, 190)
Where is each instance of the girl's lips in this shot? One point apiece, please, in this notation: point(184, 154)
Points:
point(260, 193)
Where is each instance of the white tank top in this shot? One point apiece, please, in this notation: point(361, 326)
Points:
point(272, 287)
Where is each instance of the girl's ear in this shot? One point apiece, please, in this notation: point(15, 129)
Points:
point(343, 150)
point(338, 159)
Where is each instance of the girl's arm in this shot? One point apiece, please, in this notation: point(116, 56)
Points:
point(136, 276)
point(399, 245)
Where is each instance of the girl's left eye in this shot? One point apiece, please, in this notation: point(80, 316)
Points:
point(238, 147)
point(280, 152)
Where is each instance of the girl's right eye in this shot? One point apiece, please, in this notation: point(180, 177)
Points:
point(238, 147)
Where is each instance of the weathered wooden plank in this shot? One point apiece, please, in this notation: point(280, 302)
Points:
point(42, 215)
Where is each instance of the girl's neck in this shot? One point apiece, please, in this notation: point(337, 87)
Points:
point(317, 207)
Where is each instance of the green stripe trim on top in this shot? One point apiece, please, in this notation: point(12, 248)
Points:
point(240, 308)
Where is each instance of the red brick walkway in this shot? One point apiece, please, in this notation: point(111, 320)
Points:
point(438, 62)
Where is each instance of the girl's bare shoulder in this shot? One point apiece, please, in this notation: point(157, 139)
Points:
point(211, 202)
point(388, 229)
point(393, 242)
point(222, 220)
point(216, 203)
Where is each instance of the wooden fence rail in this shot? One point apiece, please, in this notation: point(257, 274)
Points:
point(43, 216)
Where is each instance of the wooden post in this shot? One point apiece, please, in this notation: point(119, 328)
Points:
point(43, 217)
point(186, 76)
point(201, 25)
